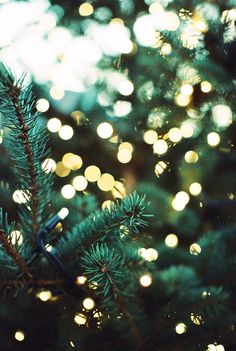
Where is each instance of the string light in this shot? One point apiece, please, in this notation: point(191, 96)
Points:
point(124, 156)
point(20, 197)
point(106, 182)
point(195, 189)
point(182, 100)
point(88, 303)
point(222, 116)
point(16, 237)
point(81, 280)
point(150, 137)
point(92, 173)
point(66, 132)
point(72, 161)
point(80, 319)
point(68, 191)
point(149, 254)
point(118, 191)
point(19, 335)
point(160, 168)
point(54, 125)
point(126, 146)
point(155, 7)
point(42, 105)
point(171, 240)
point(80, 183)
point(105, 130)
point(187, 129)
point(186, 89)
point(160, 147)
point(166, 49)
point(213, 139)
point(145, 280)
point(196, 318)
point(107, 204)
point(181, 328)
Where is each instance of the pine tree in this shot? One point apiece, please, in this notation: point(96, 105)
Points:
point(102, 278)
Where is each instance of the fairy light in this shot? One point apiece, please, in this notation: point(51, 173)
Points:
point(86, 9)
point(220, 348)
point(105, 130)
point(92, 173)
point(160, 147)
point(206, 87)
point(54, 125)
point(191, 156)
point(57, 93)
point(150, 254)
point(49, 165)
point(80, 183)
point(122, 108)
point(182, 100)
point(19, 335)
point(118, 191)
point(175, 135)
point(160, 167)
point(68, 191)
point(16, 237)
point(171, 240)
point(81, 280)
point(180, 201)
point(42, 105)
point(145, 280)
point(20, 197)
point(195, 189)
point(195, 249)
point(186, 89)
point(211, 347)
point(181, 328)
point(155, 7)
point(124, 156)
point(80, 319)
point(44, 295)
point(126, 88)
point(106, 182)
point(150, 137)
point(187, 129)
point(213, 139)
point(61, 170)
point(66, 132)
point(88, 303)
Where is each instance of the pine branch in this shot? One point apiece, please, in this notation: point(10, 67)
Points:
point(34, 283)
point(11, 251)
point(26, 143)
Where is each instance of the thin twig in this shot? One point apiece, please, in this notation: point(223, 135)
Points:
point(15, 255)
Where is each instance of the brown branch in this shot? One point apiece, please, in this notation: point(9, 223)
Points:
point(14, 92)
point(127, 315)
point(30, 283)
point(15, 255)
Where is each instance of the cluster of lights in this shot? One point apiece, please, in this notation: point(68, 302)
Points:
point(65, 132)
point(180, 201)
point(125, 151)
point(145, 280)
point(149, 254)
point(171, 240)
point(69, 162)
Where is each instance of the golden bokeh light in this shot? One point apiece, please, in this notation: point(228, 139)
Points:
point(195, 249)
point(86, 9)
point(107, 204)
point(181, 328)
point(16, 237)
point(124, 156)
point(126, 88)
point(175, 135)
point(57, 93)
point(81, 280)
point(118, 191)
point(150, 137)
point(66, 132)
point(195, 189)
point(213, 139)
point(191, 156)
point(88, 303)
point(106, 182)
point(160, 167)
point(19, 335)
point(72, 161)
point(171, 240)
point(126, 146)
point(160, 147)
point(42, 105)
point(206, 87)
point(182, 100)
point(80, 319)
point(49, 165)
point(44, 295)
point(186, 89)
point(61, 170)
point(105, 130)
point(54, 125)
point(80, 183)
point(68, 191)
point(92, 173)
point(145, 280)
